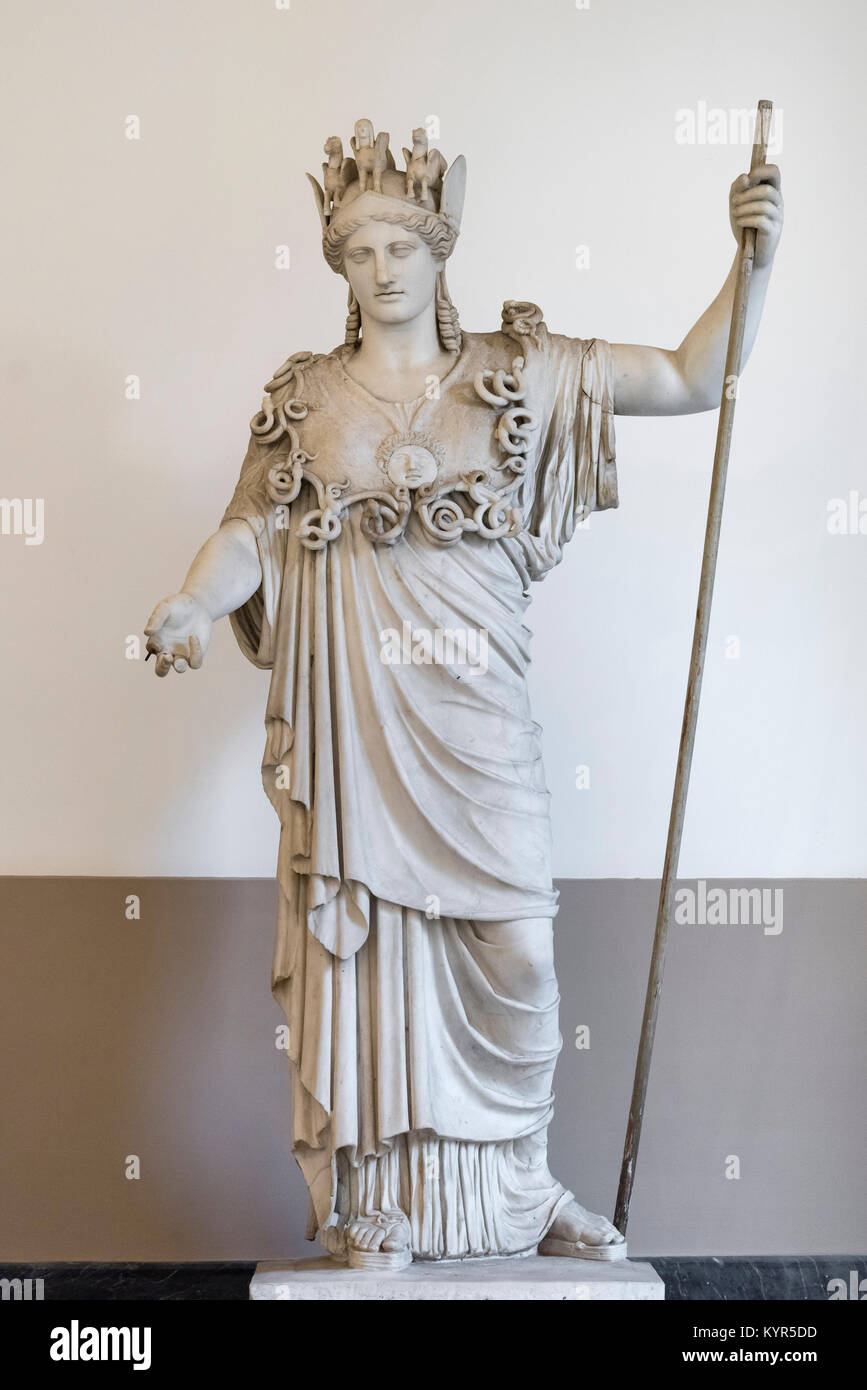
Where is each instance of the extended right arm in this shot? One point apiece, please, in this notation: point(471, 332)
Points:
point(224, 574)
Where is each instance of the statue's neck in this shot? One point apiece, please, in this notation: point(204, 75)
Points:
point(400, 347)
point(396, 361)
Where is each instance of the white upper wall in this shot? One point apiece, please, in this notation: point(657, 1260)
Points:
point(157, 257)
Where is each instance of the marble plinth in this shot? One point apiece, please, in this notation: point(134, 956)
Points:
point(534, 1279)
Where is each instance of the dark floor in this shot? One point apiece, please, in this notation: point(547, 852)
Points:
point(687, 1278)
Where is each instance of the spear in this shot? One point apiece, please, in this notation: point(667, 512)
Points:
point(693, 687)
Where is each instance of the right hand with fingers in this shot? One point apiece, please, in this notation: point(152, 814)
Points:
point(178, 633)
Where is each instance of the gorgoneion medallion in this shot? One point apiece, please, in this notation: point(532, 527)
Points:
point(410, 459)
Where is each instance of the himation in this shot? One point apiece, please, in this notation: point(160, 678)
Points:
point(442, 646)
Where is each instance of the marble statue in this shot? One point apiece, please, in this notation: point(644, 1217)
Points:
point(398, 497)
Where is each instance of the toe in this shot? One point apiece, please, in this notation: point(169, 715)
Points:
point(397, 1238)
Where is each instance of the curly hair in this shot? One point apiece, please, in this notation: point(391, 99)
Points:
point(439, 233)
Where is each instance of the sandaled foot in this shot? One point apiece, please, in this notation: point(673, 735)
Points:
point(581, 1234)
point(332, 1238)
point(378, 1240)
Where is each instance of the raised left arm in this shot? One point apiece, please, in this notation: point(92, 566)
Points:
point(687, 379)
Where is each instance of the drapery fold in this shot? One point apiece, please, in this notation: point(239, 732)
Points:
point(420, 1031)
point(413, 806)
point(421, 784)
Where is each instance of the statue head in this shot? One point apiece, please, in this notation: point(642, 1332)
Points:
point(364, 132)
point(390, 232)
point(393, 272)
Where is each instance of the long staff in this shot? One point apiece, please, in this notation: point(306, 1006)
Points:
point(693, 688)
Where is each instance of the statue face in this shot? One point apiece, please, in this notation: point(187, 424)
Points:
point(392, 272)
point(412, 466)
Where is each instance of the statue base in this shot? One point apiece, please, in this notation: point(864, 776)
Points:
point(532, 1278)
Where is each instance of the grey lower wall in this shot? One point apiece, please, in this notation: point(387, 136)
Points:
point(155, 1038)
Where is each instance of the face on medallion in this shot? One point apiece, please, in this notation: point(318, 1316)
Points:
point(391, 270)
point(412, 466)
